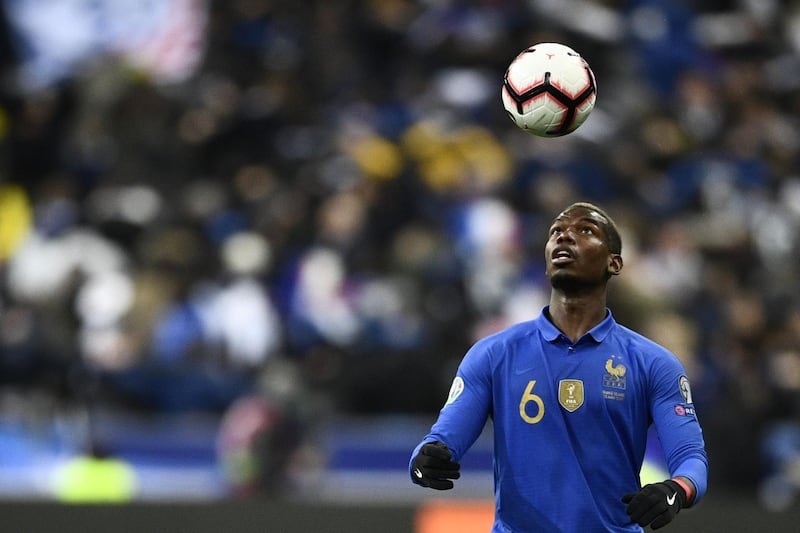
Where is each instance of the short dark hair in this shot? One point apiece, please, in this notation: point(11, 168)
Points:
point(611, 229)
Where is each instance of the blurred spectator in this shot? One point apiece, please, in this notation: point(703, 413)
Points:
point(263, 444)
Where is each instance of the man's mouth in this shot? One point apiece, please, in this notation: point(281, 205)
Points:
point(561, 256)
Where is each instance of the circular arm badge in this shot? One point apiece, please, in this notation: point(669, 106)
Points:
point(455, 390)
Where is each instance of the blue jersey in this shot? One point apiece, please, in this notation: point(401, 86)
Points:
point(570, 422)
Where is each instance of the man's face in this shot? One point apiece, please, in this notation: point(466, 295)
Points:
point(576, 253)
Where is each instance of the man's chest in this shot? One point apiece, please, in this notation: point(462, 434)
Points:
point(576, 383)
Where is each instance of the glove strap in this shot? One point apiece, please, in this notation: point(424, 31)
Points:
point(686, 489)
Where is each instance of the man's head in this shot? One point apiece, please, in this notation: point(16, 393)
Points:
point(609, 226)
point(583, 248)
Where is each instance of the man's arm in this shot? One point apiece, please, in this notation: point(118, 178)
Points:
point(459, 424)
point(681, 438)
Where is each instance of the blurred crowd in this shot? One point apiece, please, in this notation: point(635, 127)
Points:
point(334, 206)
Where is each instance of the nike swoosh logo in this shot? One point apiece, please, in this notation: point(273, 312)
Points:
point(523, 371)
point(670, 499)
point(418, 473)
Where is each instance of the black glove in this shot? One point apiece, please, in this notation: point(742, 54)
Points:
point(433, 467)
point(656, 504)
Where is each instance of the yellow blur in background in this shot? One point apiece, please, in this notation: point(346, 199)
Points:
point(95, 479)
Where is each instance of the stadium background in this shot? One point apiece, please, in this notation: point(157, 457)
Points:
point(244, 244)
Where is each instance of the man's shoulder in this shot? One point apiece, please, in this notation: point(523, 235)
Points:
point(639, 341)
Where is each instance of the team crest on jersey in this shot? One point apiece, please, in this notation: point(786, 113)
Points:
point(455, 390)
point(570, 394)
point(614, 378)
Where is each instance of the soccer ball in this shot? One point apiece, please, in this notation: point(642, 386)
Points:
point(549, 90)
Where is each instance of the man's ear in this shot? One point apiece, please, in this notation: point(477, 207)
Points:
point(614, 264)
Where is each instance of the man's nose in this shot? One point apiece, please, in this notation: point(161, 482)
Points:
point(566, 235)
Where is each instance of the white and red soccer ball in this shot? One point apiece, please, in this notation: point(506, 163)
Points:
point(549, 90)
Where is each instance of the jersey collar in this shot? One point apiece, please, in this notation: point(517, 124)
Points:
point(550, 332)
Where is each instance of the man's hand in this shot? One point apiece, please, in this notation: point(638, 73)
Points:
point(656, 504)
point(433, 466)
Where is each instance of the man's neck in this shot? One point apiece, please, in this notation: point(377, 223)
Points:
point(574, 315)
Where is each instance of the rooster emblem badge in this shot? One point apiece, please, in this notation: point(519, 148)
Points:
point(617, 371)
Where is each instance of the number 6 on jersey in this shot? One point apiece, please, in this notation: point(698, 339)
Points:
point(527, 397)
